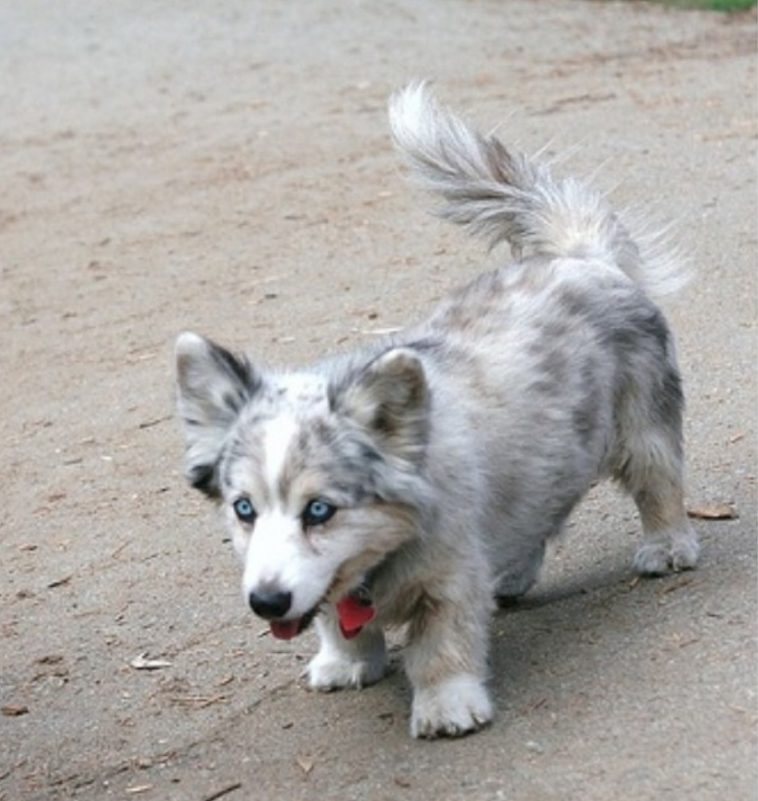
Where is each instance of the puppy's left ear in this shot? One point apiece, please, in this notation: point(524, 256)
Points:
point(212, 387)
point(390, 400)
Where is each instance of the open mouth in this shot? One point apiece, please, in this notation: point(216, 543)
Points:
point(354, 610)
point(287, 629)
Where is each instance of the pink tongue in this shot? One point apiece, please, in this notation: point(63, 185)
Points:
point(353, 615)
point(285, 629)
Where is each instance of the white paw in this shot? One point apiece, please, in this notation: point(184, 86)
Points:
point(451, 708)
point(331, 671)
point(658, 558)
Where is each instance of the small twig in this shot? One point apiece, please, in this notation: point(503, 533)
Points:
point(268, 279)
point(142, 662)
point(231, 788)
point(59, 582)
point(157, 421)
point(672, 587)
point(376, 332)
point(120, 548)
point(199, 701)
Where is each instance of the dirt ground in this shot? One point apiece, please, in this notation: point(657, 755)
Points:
point(225, 167)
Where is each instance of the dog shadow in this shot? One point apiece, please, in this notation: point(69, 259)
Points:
point(575, 625)
point(573, 586)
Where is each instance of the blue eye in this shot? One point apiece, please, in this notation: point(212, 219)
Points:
point(244, 510)
point(318, 512)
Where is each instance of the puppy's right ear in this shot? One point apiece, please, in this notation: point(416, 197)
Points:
point(212, 387)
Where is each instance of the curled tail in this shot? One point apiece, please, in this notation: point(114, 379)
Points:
point(506, 196)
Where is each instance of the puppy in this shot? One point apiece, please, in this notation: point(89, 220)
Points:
point(416, 479)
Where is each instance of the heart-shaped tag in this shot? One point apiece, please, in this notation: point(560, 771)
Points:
point(354, 611)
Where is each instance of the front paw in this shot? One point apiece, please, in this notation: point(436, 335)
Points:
point(453, 707)
point(331, 671)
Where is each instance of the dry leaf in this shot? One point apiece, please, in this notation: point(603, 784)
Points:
point(142, 662)
point(306, 765)
point(713, 511)
point(14, 710)
point(50, 659)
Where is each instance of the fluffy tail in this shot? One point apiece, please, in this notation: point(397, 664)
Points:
point(506, 196)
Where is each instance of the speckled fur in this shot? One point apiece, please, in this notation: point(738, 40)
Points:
point(455, 449)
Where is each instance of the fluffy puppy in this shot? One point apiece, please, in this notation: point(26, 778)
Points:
point(412, 481)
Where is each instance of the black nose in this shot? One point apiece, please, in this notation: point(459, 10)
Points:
point(270, 605)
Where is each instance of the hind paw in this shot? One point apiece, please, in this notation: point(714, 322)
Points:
point(659, 558)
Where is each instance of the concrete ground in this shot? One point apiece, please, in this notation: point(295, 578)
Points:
point(225, 166)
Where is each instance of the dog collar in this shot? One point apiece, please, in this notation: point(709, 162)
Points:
point(354, 611)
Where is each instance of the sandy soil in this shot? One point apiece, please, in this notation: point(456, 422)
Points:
point(225, 167)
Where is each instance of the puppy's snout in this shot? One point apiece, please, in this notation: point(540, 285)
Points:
point(271, 605)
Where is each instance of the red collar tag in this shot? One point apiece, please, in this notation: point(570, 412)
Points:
point(354, 611)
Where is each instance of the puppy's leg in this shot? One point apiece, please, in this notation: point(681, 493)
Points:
point(670, 541)
point(653, 475)
point(649, 457)
point(339, 663)
point(520, 573)
point(446, 661)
